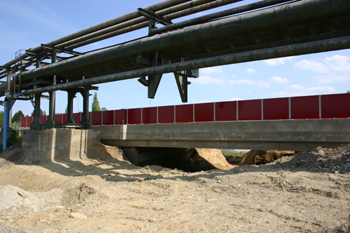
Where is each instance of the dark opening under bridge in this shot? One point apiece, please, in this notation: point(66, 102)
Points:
point(261, 30)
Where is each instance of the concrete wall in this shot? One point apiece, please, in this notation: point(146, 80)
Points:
point(274, 135)
point(56, 144)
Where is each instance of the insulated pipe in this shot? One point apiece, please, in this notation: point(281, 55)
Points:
point(113, 31)
point(171, 44)
point(276, 52)
point(108, 23)
point(132, 22)
point(220, 14)
point(199, 8)
point(4, 135)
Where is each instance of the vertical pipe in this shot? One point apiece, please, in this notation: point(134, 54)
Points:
point(290, 108)
point(194, 113)
point(4, 136)
point(319, 107)
point(262, 109)
point(214, 111)
point(237, 110)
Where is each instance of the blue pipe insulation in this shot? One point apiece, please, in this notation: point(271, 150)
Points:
point(6, 120)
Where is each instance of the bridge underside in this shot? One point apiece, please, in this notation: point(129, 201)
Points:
point(274, 135)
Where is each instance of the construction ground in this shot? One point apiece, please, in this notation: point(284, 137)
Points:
point(303, 192)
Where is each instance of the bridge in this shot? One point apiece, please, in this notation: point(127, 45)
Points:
point(294, 123)
point(257, 31)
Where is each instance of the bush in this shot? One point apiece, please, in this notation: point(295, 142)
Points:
point(13, 139)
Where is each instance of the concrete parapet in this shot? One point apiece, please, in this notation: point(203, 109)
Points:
point(56, 144)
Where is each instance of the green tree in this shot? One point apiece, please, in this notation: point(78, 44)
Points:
point(41, 112)
point(104, 109)
point(17, 117)
point(2, 118)
point(95, 104)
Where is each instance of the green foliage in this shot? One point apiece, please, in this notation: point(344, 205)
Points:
point(104, 109)
point(41, 112)
point(95, 104)
point(2, 118)
point(17, 117)
point(14, 138)
point(229, 153)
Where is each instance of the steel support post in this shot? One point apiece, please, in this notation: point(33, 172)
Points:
point(182, 83)
point(36, 125)
point(85, 120)
point(71, 95)
point(51, 121)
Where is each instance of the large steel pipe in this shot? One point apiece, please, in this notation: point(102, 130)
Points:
point(279, 23)
point(133, 25)
point(282, 51)
point(206, 18)
point(108, 23)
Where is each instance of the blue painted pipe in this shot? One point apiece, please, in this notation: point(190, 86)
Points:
point(6, 120)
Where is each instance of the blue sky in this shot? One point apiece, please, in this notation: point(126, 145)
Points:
point(25, 24)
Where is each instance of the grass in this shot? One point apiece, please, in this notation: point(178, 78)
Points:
point(230, 154)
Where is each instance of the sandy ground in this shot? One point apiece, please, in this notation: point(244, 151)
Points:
point(306, 192)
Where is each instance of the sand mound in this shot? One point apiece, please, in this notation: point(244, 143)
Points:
point(263, 156)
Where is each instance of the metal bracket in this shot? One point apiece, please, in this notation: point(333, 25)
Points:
point(157, 18)
point(153, 80)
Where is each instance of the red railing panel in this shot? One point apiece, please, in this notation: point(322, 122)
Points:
point(120, 117)
point(59, 118)
point(204, 112)
point(134, 116)
point(335, 106)
point(276, 109)
point(225, 111)
point(108, 117)
point(249, 110)
point(184, 113)
point(65, 118)
point(166, 114)
point(304, 107)
point(96, 118)
point(43, 119)
point(77, 117)
point(23, 122)
point(149, 115)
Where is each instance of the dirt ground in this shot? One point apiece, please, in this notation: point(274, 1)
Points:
point(305, 192)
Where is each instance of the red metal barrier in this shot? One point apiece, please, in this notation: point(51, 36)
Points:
point(184, 113)
point(249, 110)
point(226, 111)
point(335, 106)
point(43, 119)
point(120, 117)
point(77, 117)
point(166, 114)
point(23, 122)
point(204, 112)
point(108, 117)
point(96, 118)
point(276, 109)
point(305, 107)
point(134, 116)
point(149, 115)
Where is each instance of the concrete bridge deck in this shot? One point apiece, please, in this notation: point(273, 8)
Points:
point(275, 135)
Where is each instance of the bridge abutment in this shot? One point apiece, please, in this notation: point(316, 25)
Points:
point(57, 144)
